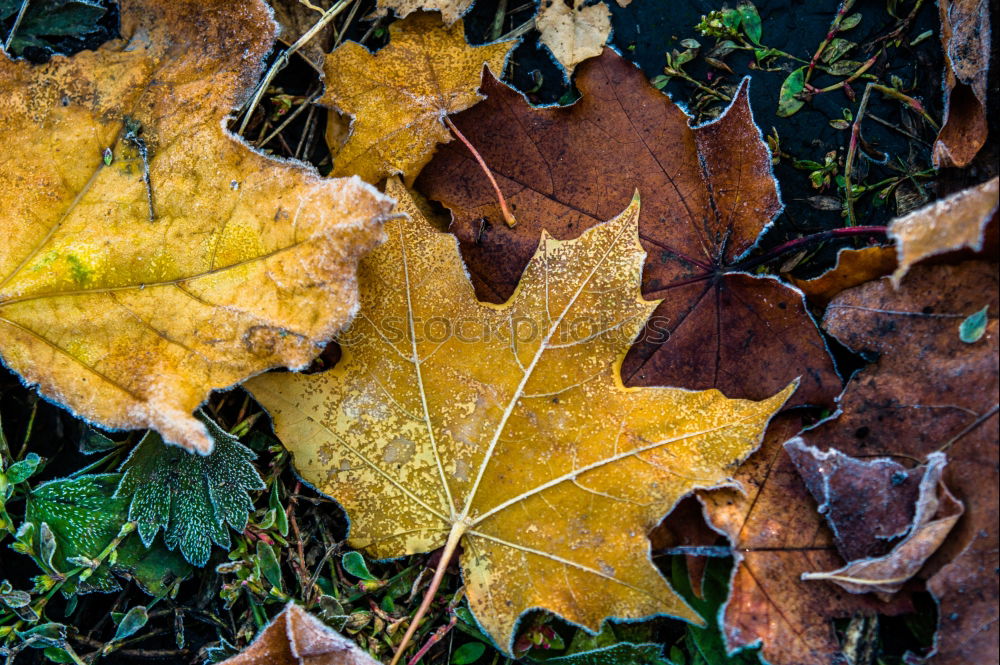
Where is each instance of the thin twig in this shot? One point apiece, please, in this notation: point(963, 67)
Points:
point(852, 151)
point(17, 24)
point(291, 116)
point(845, 6)
point(283, 59)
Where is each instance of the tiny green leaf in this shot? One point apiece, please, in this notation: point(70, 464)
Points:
point(192, 497)
point(468, 653)
point(751, 21)
point(21, 471)
point(131, 623)
point(973, 327)
point(354, 564)
point(789, 99)
point(850, 22)
point(269, 565)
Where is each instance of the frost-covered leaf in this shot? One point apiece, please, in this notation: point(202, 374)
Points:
point(399, 96)
point(83, 517)
point(512, 434)
point(149, 257)
point(190, 496)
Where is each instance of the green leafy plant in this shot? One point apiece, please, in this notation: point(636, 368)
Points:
point(190, 496)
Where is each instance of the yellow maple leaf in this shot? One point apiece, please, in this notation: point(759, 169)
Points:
point(399, 97)
point(149, 257)
point(507, 428)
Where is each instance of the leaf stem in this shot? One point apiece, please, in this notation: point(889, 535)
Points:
point(458, 530)
point(808, 240)
point(507, 215)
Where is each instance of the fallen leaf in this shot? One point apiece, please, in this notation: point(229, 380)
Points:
point(709, 194)
point(296, 637)
point(573, 30)
point(947, 225)
point(451, 10)
point(776, 535)
point(506, 428)
point(866, 502)
point(853, 267)
point(965, 37)
point(930, 391)
point(192, 497)
point(936, 511)
point(398, 97)
point(149, 257)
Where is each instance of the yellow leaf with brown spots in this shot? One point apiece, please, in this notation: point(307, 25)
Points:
point(507, 429)
point(398, 97)
point(148, 256)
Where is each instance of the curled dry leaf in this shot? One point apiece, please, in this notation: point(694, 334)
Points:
point(776, 535)
point(965, 36)
point(451, 10)
point(148, 256)
point(853, 267)
point(573, 30)
point(929, 391)
point(506, 428)
point(935, 512)
point(399, 96)
point(867, 503)
point(708, 194)
point(296, 637)
point(950, 224)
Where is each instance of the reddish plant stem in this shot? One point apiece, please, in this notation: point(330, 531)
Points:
point(845, 6)
point(810, 239)
point(434, 639)
point(507, 215)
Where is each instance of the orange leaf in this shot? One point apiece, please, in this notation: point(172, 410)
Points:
point(148, 257)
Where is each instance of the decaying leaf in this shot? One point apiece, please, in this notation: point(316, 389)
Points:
point(928, 392)
point(398, 97)
point(708, 194)
point(296, 637)
point(194, 498)
point(573, 30)
point(148, 257)
point(451, 10)
point(867, 503)
point(853, 267)
point(506, 428)
point(776, 535)
point(935, 511)
point(965, 36)
point(75, 519)
point(950, 224)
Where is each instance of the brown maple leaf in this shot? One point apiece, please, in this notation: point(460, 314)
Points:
point(777, 535)
point(148, 257)
point(930, 391)
point(708, 195)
